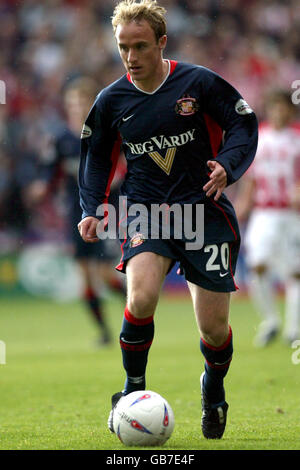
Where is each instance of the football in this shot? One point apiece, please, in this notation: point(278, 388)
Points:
point(143, 418)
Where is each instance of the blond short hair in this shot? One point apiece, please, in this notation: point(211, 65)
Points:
point(148, 10)
point(85, 86)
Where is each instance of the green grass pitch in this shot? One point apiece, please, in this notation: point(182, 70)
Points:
point(56, 384)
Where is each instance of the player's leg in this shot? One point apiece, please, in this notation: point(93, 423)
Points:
point(145, 274)
point(87, 256)
point(291, 330)
point(210, 276)
point(292, 309)
point(110, 250)
point(212, 316)
point(263, 244)
point(263, 295)
point(92, 299)
point(145, 261)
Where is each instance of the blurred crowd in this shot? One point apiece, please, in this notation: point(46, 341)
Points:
point(254, 44)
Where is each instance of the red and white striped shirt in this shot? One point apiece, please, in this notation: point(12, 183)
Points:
point(276, 168)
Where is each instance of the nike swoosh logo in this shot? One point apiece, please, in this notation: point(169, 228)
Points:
point(126, 119)
point(223, 274)
point(131, 342)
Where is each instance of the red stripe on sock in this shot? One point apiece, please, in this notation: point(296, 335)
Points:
point(223, 346)
point(135, 347)
point(137, 321)
point(89, 293)
point(219, 366)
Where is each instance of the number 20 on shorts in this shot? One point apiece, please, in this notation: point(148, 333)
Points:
point(214, 251)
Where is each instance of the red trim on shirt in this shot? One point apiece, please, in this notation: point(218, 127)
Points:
point(215, 134)
point(120, 266)
point(173, 64)
point(129, 77)
point(226, 217)
point(114, 158)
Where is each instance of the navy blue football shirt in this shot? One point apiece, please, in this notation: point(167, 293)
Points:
point(167, 137)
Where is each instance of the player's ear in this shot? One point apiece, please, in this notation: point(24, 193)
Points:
point(162, 42)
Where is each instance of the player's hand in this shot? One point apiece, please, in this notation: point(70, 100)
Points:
point(35, 192)
point(88, 229)
point(217, 180)
point(241, 210)
point(295, 198)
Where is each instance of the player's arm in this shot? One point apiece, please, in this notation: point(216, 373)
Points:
point(227, 107)
point(217, 179)
point(100, 149)
point(88, 229)
point(245, 198)
point(295, 191)
point(295, 197)
point(47, 169)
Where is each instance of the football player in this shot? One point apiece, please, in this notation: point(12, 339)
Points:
point(186, 135)
point(271, 191)
point(61, 165)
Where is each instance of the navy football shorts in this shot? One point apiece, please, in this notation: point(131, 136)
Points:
point(101, 251)
point(212, 266)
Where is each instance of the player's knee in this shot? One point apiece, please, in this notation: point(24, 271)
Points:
point(142, 302)
point(215, 333)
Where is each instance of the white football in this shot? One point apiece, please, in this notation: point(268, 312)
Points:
point(143, 418)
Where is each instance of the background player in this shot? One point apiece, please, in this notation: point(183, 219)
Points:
point(169, 117)
point(271, 189)
point(95, 261)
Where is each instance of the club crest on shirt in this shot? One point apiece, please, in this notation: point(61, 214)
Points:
point(186, 106)
point(136, 240)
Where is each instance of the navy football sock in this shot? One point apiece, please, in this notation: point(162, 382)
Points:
point(95, 305)
point(217, 362)
point(135, 340)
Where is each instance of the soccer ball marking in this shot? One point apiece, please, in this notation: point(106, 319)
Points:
point(144, 397)
point(143, 418)
point(166, 417)
point(136, 425)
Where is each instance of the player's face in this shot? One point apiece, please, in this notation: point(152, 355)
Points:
point(77, 104)
point(140, 51)
point(279, 114)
